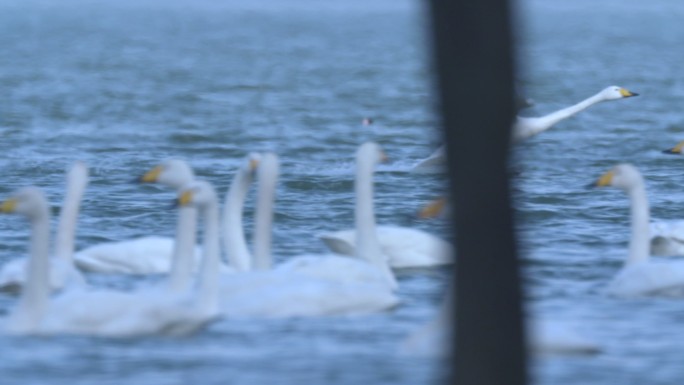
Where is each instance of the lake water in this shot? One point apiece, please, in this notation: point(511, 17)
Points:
point(123, 86)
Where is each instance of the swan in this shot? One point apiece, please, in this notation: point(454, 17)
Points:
point(404, 247)
point(525, 127)
point(640, 276)
point(62, 272)
point(111, 313)
point(151, 254)
point(310, 285)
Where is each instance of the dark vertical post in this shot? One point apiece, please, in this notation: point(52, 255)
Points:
point(473, 52)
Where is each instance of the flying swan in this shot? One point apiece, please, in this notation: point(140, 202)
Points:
point(525, 127)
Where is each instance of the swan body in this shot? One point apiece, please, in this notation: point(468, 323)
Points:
point(400, 247)
point(144, 255)
point(106, 313)
point(62, 272)
point(310, 285)
point(641, 276)
point(404, 247)
point(151, 254)
point(526, 127)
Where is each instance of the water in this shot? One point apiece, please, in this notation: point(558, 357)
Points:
point(123, 86)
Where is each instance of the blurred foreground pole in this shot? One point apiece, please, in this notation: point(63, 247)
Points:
point(473, 56)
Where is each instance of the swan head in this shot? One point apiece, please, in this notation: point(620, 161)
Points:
point(251, 163)
point(371, 150)
point(623, 176)
point(615, 92)
point(198, 193)
point(29, 202)
point(676, 149)
point(174, 173)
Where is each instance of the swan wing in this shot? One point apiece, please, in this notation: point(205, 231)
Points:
point(333, 268)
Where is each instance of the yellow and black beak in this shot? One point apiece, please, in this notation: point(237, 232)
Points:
point(183, 200)
point(605, 180)
point(627, 93)
point(8, 206)
point(151, 176)
point(676, 149)
point(432, 209)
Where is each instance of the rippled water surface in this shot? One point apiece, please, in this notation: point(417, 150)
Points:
point(125, 85)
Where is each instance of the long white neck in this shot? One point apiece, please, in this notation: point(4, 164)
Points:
point(183, 259)
point(234, 241)
point(545, 122)
point(34, 297)
point(367, 244)
point(77, 180)
point(209, 273)
point(639, 243)
point(268, 176)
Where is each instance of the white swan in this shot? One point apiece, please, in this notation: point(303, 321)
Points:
point(303, 286)
point(110, 313)
point(525, 127)
point(62, 272)
point(151, 254)
point(404, 247)
point(641, 276)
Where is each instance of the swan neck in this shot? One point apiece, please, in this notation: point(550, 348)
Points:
point(268, 176)
point(34, 297)
point(209, 272)
point(234, 240)
point(367, 244)
point(639, 244)
point(183, 259)
point(68, 217)
point(551, 119)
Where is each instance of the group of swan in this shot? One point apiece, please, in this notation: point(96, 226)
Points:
point(525, 127)
point(251, 286)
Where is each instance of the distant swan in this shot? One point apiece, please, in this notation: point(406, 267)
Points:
point(525, 127)
point(404, 247)
point(150, 254)
point(641, 276)
point(302, 286)
point(102, 312)
point(62, 272)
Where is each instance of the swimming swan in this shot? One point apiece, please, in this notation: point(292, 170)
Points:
point(103, 312)
point(640, 276)
point(302, 286)
point(151, 254)
point(404, 247)
point(525, 127)
point(62, 272)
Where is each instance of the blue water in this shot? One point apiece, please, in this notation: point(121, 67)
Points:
point(127, 84)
